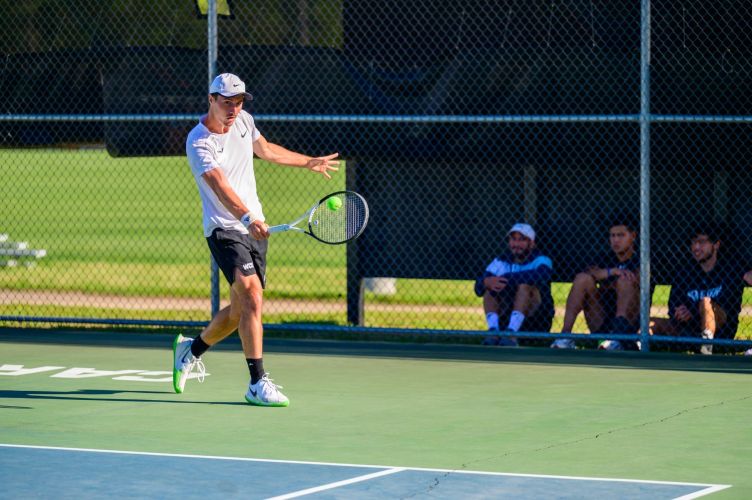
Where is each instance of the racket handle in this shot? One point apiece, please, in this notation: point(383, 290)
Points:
point(279, 229)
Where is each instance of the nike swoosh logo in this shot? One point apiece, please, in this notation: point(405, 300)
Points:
point(243, 134)
point(253, 393)
point(236, 85)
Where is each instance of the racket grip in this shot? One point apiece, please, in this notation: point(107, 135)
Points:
point(279, 229)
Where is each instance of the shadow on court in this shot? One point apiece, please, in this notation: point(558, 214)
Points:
point(102, 395)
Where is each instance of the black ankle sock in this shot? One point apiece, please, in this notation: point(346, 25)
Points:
point(256, 367)
point(198, 347)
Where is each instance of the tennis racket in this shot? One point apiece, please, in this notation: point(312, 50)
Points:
point(336, 218)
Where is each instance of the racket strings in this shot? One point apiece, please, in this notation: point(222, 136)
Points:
point(342, 224)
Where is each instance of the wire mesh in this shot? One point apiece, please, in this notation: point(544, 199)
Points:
point(455, 121)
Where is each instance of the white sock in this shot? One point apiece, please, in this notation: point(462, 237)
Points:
point(492, 319)
point(707, 334)
point(515, 321)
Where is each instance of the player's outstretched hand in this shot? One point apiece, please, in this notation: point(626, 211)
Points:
point(324, 164)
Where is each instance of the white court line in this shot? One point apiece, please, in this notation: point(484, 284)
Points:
point(708, 488)
point(702, 493)
point(337, 484)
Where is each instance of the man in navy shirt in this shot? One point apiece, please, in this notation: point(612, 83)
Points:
point(706, 296)
point(516, 288)
point(608, 291)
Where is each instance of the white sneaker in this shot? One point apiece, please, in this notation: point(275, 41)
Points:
point(184, 362)
point(266, 393)
point(610, 345)
point(748, 352)
point(563, 344)
point(706, 348)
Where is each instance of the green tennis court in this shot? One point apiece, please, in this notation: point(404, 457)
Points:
point(372, 420)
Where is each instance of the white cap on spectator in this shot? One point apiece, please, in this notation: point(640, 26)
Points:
point(229, 85)
point(525, 230)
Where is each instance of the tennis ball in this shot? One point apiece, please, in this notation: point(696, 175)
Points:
point(334, 204)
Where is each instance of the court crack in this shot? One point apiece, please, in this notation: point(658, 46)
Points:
point(465, 466)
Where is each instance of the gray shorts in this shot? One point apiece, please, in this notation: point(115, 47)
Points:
point(233, 250)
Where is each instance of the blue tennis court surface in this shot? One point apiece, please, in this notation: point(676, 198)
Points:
point(29, 471)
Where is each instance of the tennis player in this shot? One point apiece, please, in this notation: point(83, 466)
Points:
point(220, 152)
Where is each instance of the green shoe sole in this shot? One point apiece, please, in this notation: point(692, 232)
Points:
point(259, 403)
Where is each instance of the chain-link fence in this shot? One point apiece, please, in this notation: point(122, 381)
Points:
point(455, 120)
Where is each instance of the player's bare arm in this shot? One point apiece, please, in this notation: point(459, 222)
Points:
point(217, 181)
point(682, 313)
point(278, 154)
point(495, 283)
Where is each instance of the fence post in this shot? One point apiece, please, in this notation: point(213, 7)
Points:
point(211, 44)
point(645, 118)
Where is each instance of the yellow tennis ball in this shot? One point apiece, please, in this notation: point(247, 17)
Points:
point(334, 204)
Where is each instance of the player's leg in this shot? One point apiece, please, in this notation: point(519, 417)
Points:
point(527, 299)
point(627, 314)
point(525, 309)
point(492, 308)
point(220, 327)
point(247, 304)
point(712, 319)
point(583, 297)
point(187, 352)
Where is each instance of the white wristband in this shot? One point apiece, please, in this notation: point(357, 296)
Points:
point(247, 219)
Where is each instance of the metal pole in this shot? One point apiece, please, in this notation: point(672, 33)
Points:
point(212, 62)
point(645, 174)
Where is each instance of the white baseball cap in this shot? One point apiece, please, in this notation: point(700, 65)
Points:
point(229, 85)
point(525, 230)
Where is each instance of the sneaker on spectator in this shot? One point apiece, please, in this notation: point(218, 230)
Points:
point(748, 352)
point(184, 362)
point(563, 344)
point(507, 342)
point(706, 349)
point(495, 339)
point(492, 338)
point(610, 345)
point(266, 393)
point(620, 324)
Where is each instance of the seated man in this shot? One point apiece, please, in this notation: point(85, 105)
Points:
point(516, 288)
point(608, 292)
point(706, 296)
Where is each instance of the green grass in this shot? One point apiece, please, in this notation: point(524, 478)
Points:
point(131, 227)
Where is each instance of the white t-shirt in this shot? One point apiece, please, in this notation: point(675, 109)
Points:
point(233, 153)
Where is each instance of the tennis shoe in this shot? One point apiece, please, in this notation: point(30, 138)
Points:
point(508, 342)
point(610, 345)
point(184, 362)
point(563, 344)
point(266, 393)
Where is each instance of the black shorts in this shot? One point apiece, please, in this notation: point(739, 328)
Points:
point(233, 250)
